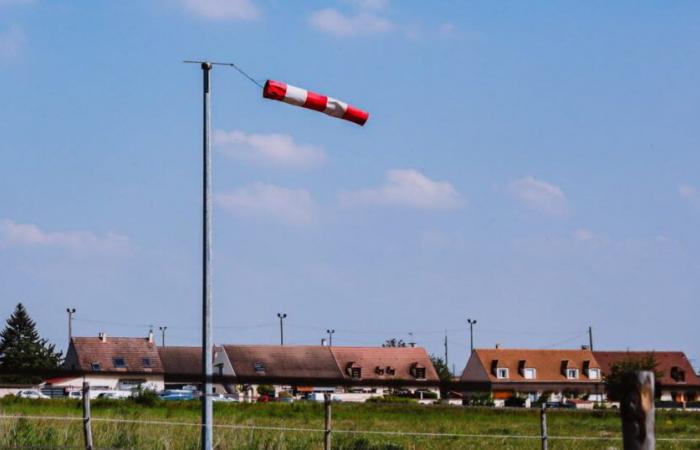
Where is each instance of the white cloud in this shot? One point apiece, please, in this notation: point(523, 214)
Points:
point(272, 149)
point(11, 42)
point(690, 193)
point(30, 235)
point(407, 188)
point(539, 196)
point(223, 9)
point(290, 206)
point(362, 23)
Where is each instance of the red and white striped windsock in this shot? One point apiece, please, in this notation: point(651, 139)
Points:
point(301, 97)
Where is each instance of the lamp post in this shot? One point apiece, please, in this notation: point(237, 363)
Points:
point(70, 312)
point(330, 332)
point(162, 335)
point(281, 317)
point(471, 323)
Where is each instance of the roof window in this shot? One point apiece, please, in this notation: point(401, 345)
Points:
point(95, 366)
point(119, 363)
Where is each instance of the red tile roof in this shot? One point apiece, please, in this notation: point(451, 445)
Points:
point(666, 361)
point(549, 364)
point(181, 360)
point(84, 351)
point(302, 361)
point(374, 362)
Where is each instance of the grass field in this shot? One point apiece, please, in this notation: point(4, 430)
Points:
point(182, 432)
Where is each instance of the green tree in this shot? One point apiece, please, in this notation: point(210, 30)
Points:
point(617, 382)
point(443, 372)
point(22, 349)
point(393, 342)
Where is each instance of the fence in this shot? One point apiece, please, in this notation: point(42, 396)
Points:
point(637, 414)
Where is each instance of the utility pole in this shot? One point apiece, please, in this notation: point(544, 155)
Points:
point(446, 363)
point(590, 338)
point(70, 312)
point(162, 334)
point(281, 316)
point(471, 334)
point(330, 332)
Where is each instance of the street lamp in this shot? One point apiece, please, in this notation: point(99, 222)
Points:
point(330, 336)
point(70, 312)
point(471, 323)
point(281, 316)
point(162, 334)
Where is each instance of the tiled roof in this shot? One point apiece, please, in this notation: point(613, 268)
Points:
point(282, 361)
point(374, 362)
point(666, 361)
point(138, 354)
point(549, 364)
point(181, 360)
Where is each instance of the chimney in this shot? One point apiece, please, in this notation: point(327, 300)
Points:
point(584, 347)
point(102, 336)
point(498, 345)
point(323, 342)
point(150, 336)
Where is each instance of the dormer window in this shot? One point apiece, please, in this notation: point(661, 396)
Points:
point(259, 367)
point(390, 370)
point(572, 374)
point(119, 363)
point(379, 370)
point(501, 373)
point(356, 372)
point(95, 366)
point(529, 373)
point(594, 374)
point(418, 371)
point(677, 374)
point(146, 363)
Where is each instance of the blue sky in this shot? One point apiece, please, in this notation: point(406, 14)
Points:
point(532, 165)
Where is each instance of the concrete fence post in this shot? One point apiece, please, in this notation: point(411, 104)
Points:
point(87, 425)
point(543, 426)
point(327, 427)
point(637, 411)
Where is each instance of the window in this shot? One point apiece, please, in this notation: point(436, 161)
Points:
point(119, 363)
point(529, 373)
point(379, 371)
point(259, 367)
point(95, 366)
point(390, 370)
point(147, 363)
point(420, 373)
point(594, 374)
point(572, 374)
point(356, 372)
point(501, 373)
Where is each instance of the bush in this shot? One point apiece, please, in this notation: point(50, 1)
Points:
point(516, 402)
point(391, 399)
point(145, 397)
point(484, 399)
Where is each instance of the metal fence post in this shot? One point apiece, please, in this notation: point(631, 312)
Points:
point(87, 425)
point(637, 411)
point(327, 433)
point(543, 426)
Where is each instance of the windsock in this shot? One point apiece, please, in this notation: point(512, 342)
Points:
point(301, 97)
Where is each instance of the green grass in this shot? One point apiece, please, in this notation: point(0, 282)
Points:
point(49, 432)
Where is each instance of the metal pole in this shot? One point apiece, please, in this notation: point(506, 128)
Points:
point(327, 433)
point(543, 426)
point(281, 317)
point(70, 312)
point(446, 363)
point(207, 369)
point(330, 337)
point(471, 334)
point(162, 335)
point(590, 338)
point(87, 425)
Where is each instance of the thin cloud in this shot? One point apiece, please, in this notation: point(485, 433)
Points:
point(407, 188)
point(267, 201)
point(222, 9)
point(268, 149)
point(363, 23)
point(11, 42)
point(539, 196)
point(690, 194)
point(13, 234)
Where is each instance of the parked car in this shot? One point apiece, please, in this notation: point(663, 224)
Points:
point(115, 395)
point(222, 398)
point(176, 394)
point(31, 393)
point(77, 395)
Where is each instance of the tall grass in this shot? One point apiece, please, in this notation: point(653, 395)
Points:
point(184, 435)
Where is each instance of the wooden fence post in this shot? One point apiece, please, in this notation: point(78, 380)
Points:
point(637, 411)
point(327, 433)
point(87, 426)
point(543, 426)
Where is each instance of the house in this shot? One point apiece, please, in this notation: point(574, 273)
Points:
point(267, 364)
point(111, 363)
point(677, 382)
point(554, 374)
